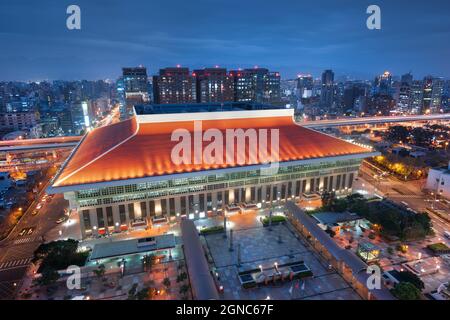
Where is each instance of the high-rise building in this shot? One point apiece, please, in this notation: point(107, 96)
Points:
point(383, 84)
point(427, 91)
point(352, 92)
point(256, 85)
point(135, 86)
point(436, 94)
point(327, 90)
point(174, 85)
point(305, 84)
point(213, 85)
point(404, 94)
point(416, 94)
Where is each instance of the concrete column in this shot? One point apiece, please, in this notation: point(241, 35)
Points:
point(196, 206)
point(177, 205)
point(248, 194)
point(158, 208)
point(116, 217)
point(94, 221)
point(230, 195)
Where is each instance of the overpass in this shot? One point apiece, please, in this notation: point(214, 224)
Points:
point(320, 124)
point(12, 146)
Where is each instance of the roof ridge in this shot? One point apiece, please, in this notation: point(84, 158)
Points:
point(102, 155)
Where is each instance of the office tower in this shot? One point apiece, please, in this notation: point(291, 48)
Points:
point(351, 95)
point(120, 96)
point(446, 97)
point(213, 85)
point(427, 90)
point(404, 94)
point(383, 84)
point(256, 85)
point(407, 78)
point(416, 94)
point(327, 90)
point(436, 94)
point(174, 85)
point(305, 84)
point(135, 88)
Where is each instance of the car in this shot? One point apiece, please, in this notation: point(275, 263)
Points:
point(21, 233)
point(35, 212)
point(447, 234)
point(30, 231)
point(39, 206)
point(60, 220)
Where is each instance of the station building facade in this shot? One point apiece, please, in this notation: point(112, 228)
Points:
point(122, 176)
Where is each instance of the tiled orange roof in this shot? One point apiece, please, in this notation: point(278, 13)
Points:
point(127, 150)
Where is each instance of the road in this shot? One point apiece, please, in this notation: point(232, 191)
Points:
point(16, 251)
point(408, 193)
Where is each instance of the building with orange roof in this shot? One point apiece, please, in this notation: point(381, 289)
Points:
point(129, 174)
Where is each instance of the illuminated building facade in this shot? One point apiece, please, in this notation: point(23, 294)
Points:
point(123, 176)
point(174, 85)
point(256, 85)
point(213, 85)
point(135, 87)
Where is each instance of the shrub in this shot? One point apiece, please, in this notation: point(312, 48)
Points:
point(275, 220)
point(406, 291)
point(213, 229)
point(438, 248)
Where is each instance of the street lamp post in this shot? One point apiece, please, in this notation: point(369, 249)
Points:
point(238, 254)
point(231, 240)
point(270, 220)
point(224, 225)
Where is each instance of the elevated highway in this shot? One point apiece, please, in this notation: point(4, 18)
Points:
point(321, 124)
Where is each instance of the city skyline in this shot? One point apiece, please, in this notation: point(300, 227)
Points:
point(291, 38)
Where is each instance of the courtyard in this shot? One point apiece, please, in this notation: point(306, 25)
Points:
point(254, 246)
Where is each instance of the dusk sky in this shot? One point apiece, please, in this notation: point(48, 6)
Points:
point(290, 36)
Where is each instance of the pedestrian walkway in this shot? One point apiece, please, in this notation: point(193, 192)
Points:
point(27, 240)
point(15, 263)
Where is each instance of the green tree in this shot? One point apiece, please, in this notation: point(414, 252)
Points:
point(48, 276)
point(407, 276)
point(166, 282)
point(406, 291)
point(59, 255)
point(100, 271)
point(328, 199)
point(149, 261)
point(397, 133)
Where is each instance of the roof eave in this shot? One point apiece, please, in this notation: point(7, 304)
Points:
point(76, 187)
